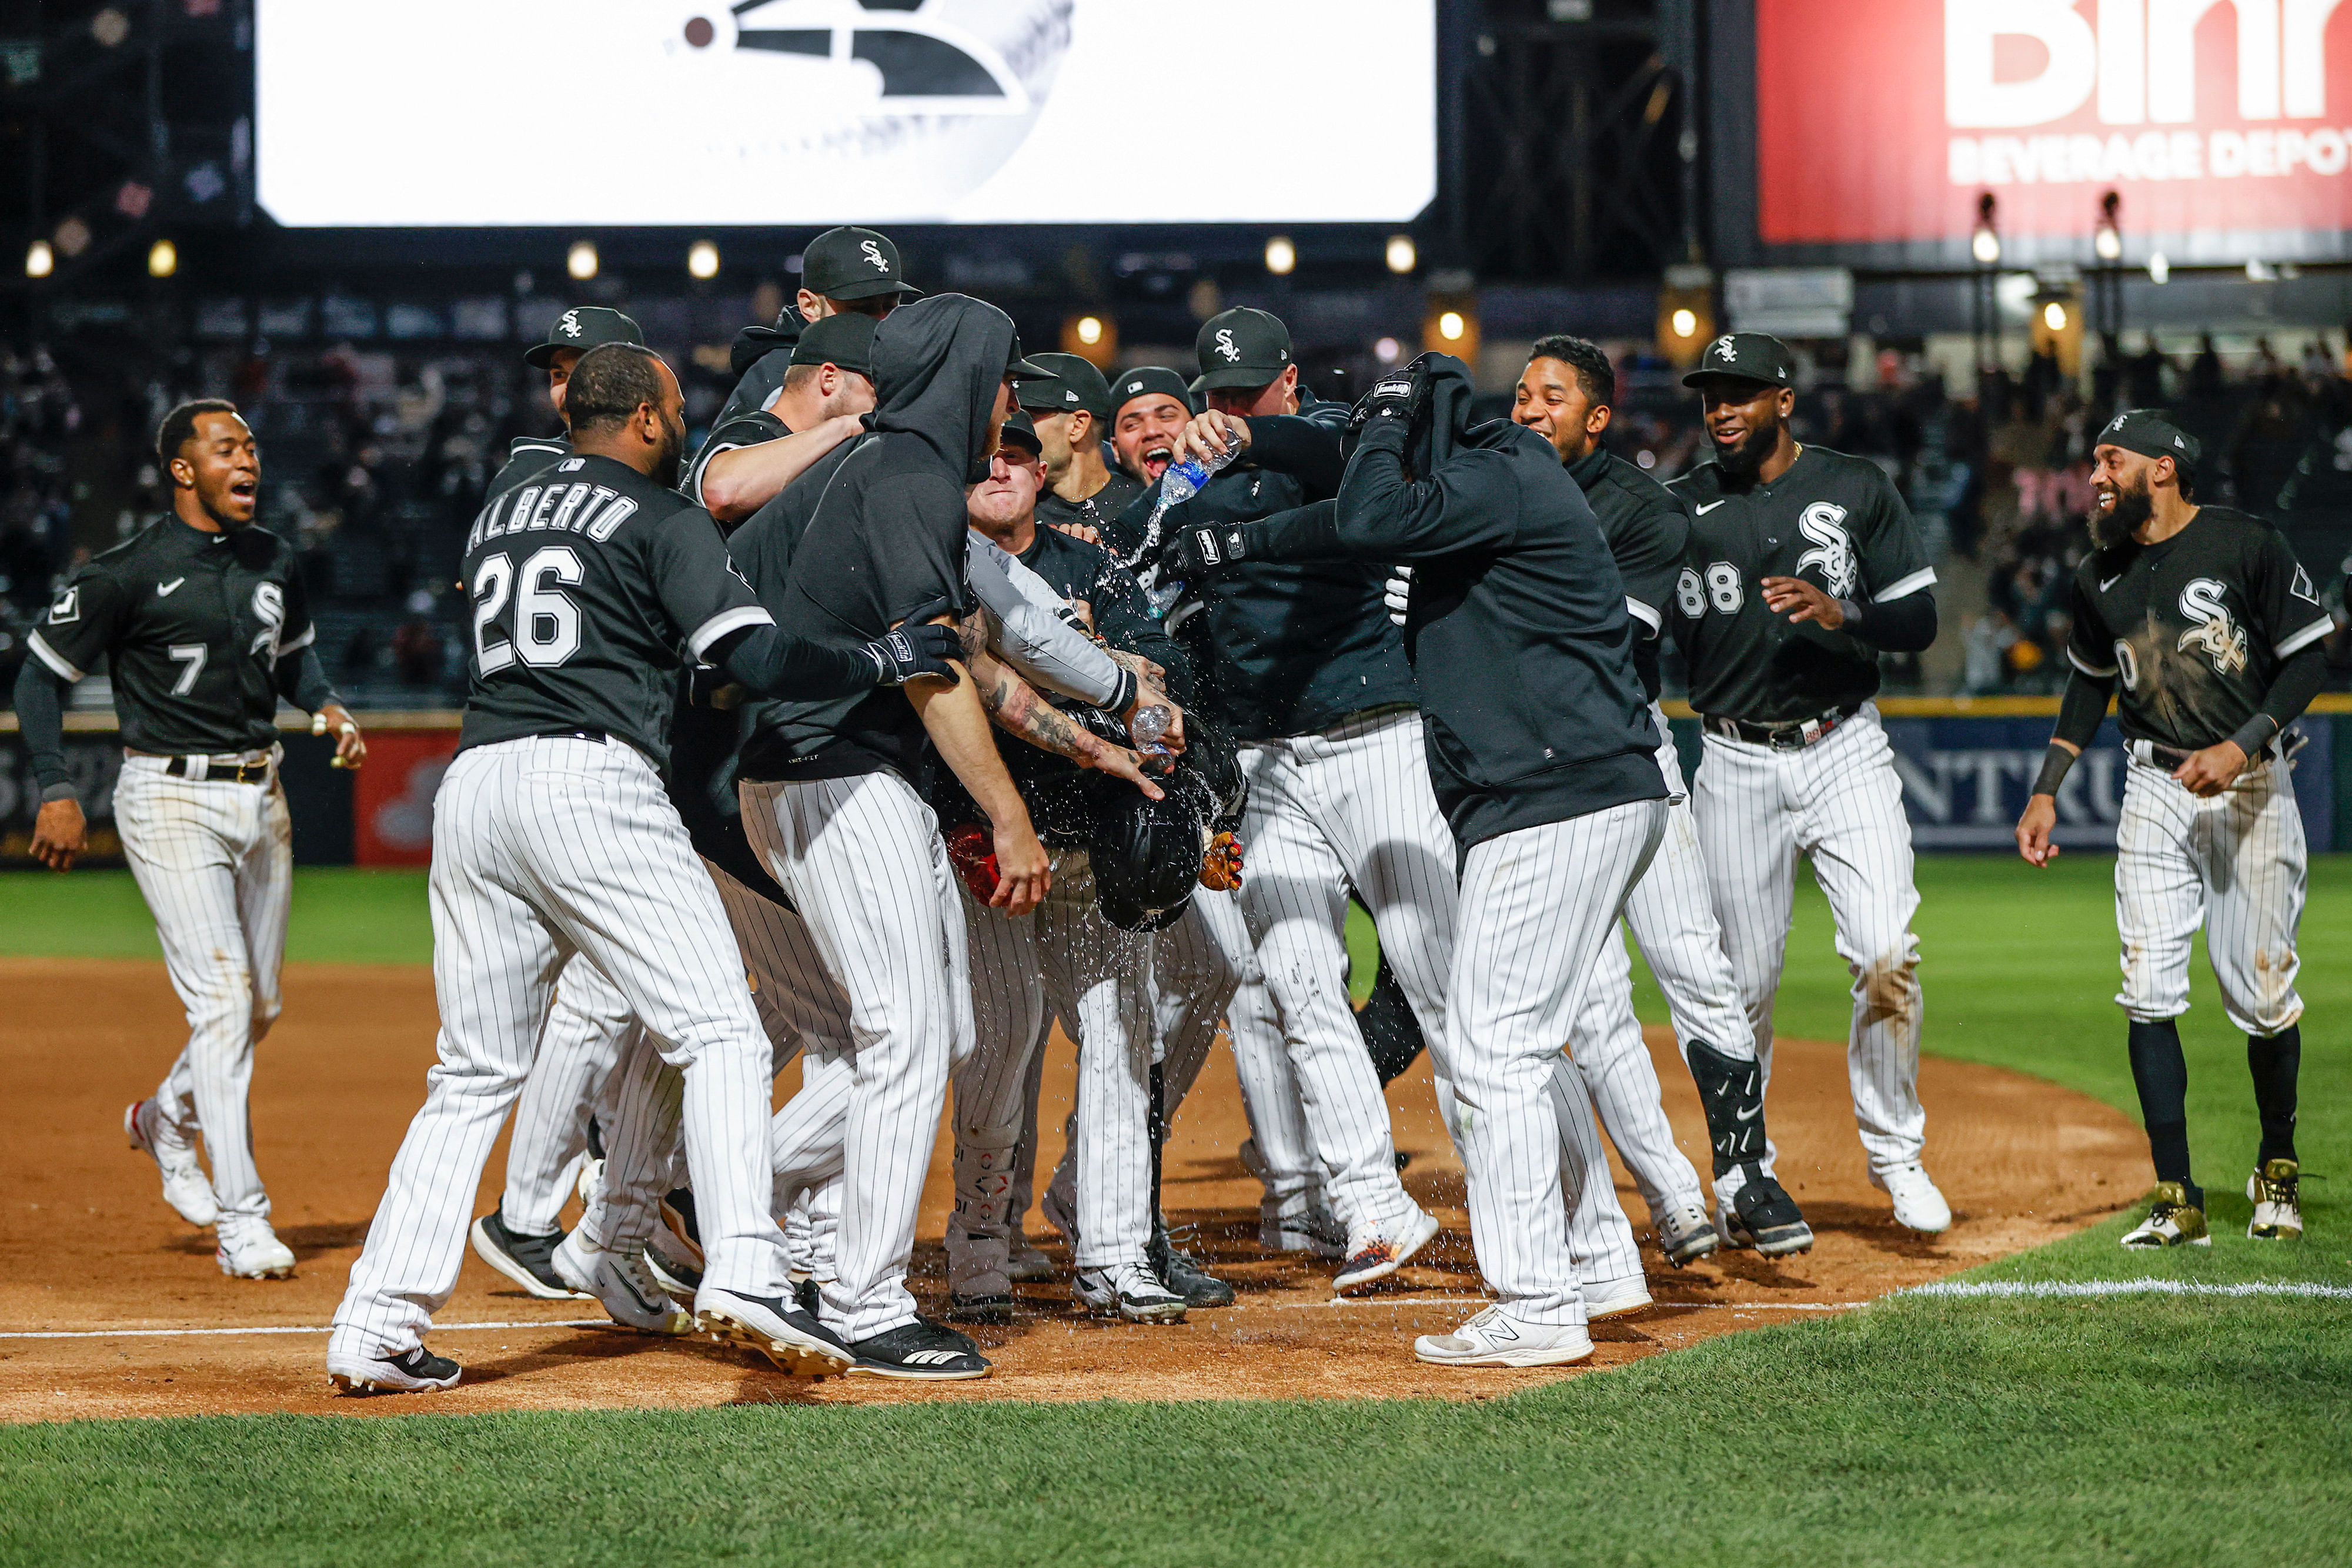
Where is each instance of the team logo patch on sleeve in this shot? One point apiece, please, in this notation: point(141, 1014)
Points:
point(67, 607)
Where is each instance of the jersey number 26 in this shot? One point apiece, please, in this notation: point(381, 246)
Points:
point(546, 624)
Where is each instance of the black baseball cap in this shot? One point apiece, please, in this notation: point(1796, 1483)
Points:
point(2146, 432)
point(853, 264)
point(1020, 430)
point(1750, 356)
point(845, 340)
point(583, 327)
point(1145, 379)
point(1071, 384)
point(1241, 348)
point(1023, 368)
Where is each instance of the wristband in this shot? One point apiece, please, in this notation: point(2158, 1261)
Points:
point(2256, 734)
point(1851, 611)
point(59, 793)
point(2054, 764)
point(1128, 689)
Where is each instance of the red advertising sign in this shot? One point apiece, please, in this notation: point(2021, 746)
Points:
point(1883, 121)
point(391, 796)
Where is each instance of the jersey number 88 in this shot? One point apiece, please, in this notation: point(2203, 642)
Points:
point(1722, 588)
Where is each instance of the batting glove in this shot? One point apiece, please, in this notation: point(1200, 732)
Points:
point(1205, 551)
point(1397, 592)
point(912, 653)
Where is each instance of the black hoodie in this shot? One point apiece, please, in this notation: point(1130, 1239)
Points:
point(884, 536)
point(1519, 636)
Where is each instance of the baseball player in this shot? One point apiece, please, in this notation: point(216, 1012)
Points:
point(1803, 567)
point(573, 333)
point(828, 383)
point(844, 271)
point(552, 834)
point(1313, 678)
point(1557, 803)
point(828, 800)
point(2209, 633)
point(1072, 410)
point(202, 623)
point(1564, 395)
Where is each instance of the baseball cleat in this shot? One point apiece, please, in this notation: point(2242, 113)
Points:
point(185, 1186)
point(1494, 1338)
point(1181, 1274)
point(920, 1352)
point(1917, 1204)
point(252, 1251)
point(1027, 1266)
point(591, 1180)
point(1614, 1298)
point(796, 1343)
point(1763, 1215)
point(1128, 1290)
point(807, 1294)
point(1685, 1235)
point(979, 1309)
point(2172, 1221)
point(2278, 1204)
point(678, 1213)
point(624, 1284)
point(527, 1260)
point(1380, 1254)
point(417, 1371)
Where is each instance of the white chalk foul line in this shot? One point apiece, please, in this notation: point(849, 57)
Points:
point(1482, 1301)
point(2062, 1290)
point(301, 1327)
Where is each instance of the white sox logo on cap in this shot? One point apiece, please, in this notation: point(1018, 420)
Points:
point(1225, 345)
point(874, 253)
point(1724, 349)
point(569, 323)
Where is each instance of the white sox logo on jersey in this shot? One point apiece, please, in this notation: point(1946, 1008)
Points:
point(269, 609)
point(1823, 522)
point(2223, 639)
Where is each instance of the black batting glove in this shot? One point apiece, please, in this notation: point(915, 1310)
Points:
point(1203, 550)
point(913, 652)
point(1399, 394)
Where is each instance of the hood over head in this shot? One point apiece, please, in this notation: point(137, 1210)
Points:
point(938, 364)
point(1442, 426)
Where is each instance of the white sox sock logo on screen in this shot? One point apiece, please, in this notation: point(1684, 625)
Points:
point(1824, 523)
point(2221, 638)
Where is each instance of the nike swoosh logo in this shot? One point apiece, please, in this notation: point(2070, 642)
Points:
point(1709, 507)
point(2111, 582)
point(164, 589)
point(1748, 1115)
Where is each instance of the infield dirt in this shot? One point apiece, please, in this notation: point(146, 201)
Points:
point(88, 1248)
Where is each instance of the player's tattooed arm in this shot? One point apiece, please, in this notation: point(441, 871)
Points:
point(1016, 708)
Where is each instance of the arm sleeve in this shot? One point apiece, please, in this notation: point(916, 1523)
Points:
point(1893, 559)
point(1903, 625)
point(40, 719)
point(2081, 710)
point(775, 664)
point(80, 626)
point(1306, 449)
point(743, 430)
point(303, 682)
point(2288, 601)
point(2297, 682)
point(1034, 638)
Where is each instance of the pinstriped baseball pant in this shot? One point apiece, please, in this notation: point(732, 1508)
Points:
point(1350, 806)
point(2234, 863)
point(586, 1034)
point(862, 859)
point(1537, 905)
point(541, 848)
point(1838, 803)
point(215, 861)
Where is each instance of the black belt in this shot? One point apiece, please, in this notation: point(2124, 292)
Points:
point(598, 736)
point(2171, 757)
point(1793, 736)
point(218, 773)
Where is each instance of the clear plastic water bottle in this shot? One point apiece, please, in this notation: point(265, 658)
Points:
point(1148, 725)
point(1178, 483)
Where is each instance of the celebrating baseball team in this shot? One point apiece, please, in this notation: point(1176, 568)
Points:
point(951, 692)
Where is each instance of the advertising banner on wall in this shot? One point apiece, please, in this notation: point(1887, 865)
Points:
point(2223, 126)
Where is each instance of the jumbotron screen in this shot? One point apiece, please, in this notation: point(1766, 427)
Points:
point(432, 114)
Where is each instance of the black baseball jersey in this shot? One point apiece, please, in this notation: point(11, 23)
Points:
point(528, 455)
point(590, 585)
point(192, 625)
point(1836, 521)
point(2192, 630)
point(1647, 530)
point(1098, 511)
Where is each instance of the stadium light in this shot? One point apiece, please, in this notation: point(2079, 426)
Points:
point(580, 261)
point(39, 260)
point(2053, 316)
point(1090, 331)
point(2159, 270)
point(1281, 255)
point(1388, 351)
point(162, 259)
point(1403, 256)
point(702, 259)
point(1686, 323)
point(1450, 327)
point(1092, 337)
point(1985, 243)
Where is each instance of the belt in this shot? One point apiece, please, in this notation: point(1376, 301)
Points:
point(598, 736)
point(222, 773)
point(2170, 757)
point(1794, 736)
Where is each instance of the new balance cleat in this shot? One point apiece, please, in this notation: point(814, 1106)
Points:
point(1494, 1338)
point(417, 1371)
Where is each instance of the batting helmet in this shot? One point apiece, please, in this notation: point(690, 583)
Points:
point(1147, 856)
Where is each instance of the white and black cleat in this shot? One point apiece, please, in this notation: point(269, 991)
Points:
point(527, 1260)
point(1685, 1235)
point(1763, 1215)
point(417, 1371)
point(796, 1343)
point(1129, 1291)
point(920, 1352)
point(624, 1284)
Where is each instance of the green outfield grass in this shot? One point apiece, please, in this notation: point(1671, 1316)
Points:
point(1920, 1430)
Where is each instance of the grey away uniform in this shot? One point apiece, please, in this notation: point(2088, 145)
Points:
point(552, 834)
point(1302, 659)
point(2191, 634)
point(1796, 761)
point(1547, 775)
point(202, 634)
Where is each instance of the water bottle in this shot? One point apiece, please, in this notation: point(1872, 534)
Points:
point(1178, 483)
point(1148, 725)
